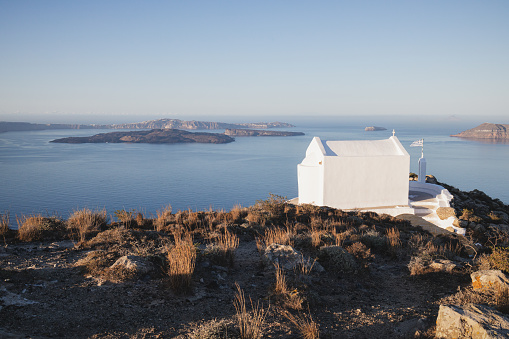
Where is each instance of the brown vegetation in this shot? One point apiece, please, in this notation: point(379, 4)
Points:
point(85, 222)
point(358, 274)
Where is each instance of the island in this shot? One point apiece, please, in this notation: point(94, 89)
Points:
point(183, 124)
point(259, 133)
point(6, 126)
point(154, 136)
point(375, 128)
point(486, 131)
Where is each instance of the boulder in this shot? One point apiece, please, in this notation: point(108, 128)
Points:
point(288, 258)
point(443, 265)
point(488, 278)
point(134, 264)
point(471, 321)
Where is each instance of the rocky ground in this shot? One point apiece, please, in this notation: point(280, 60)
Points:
point(114, 282)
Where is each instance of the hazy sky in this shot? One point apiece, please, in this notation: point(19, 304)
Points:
point(238, 58)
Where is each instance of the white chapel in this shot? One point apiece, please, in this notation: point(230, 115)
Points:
point(354, 174)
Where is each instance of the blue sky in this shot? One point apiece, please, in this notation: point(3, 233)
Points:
point(243, 58)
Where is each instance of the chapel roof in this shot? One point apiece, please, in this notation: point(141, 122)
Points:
point(363, 148)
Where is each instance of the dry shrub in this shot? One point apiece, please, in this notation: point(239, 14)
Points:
point(339, 238)
point(499, 259)
point(181, 262)
point(418, 266)
point(250, 323)
point(85, 221)
point(4, 224)
point(336, 259)
point(256, 218)
point(164, 217)
point(193, 220)
point(222, 251)
point(361, 252)
point(275, 236)
point(96, 262)
point(37, 227)
point(307, 327)
point(237, 213)
point(373, 240)
point(274, 204)
point(214, 329)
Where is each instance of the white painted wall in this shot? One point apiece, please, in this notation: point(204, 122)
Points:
point(362, 182)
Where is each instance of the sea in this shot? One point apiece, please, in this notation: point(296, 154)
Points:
point(55, 179)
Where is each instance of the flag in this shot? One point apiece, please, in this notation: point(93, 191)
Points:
point(418, 143)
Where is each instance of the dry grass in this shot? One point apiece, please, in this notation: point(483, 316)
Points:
point(163, 218)
point(181, 262)
point(316, 238)
point(4, 224)
point(222, 251)
point(37, 227)
point(85, 221)
point(284, 296)
point(250, 323)
point(393, 238)
point(304, 266)
point(307, 327)
point(275, 236)
point(280, 286)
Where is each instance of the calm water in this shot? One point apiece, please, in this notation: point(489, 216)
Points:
point(42, 177)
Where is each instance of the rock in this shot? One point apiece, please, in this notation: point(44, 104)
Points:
point(460, 223)
point(445, 212)
point(488, 278)
point(430, 179)
point(290, 259)
point(471, 321)
point(443, 265)
point(502, 215)
point(133, 263)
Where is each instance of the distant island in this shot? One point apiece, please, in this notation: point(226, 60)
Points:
point(6, 126)
point(486, 131)
point(259, 133)
point(375, 128)
point(154, 136)
point(182, 124)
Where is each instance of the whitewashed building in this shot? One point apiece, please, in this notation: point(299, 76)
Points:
point(355, 174)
